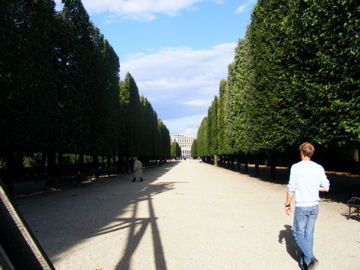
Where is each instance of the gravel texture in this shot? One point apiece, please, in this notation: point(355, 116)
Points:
point(185, 215)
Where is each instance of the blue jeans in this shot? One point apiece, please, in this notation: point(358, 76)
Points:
point(304, 225)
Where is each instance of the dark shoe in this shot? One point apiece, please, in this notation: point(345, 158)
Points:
point(303, 266)
point(141, 179)
point(313, 264)
point(134, 179)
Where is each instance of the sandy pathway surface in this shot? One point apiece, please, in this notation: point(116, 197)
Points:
point(185, 215)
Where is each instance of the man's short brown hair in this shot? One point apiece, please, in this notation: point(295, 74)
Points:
point(307, 149)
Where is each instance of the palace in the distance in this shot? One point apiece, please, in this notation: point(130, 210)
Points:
point(185, 144)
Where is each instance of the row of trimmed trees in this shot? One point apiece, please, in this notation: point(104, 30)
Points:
point(141, 132)
point(294, 78)
point(60, 91)
point(175, 151)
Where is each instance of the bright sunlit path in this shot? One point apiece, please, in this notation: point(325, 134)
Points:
point(185, 215)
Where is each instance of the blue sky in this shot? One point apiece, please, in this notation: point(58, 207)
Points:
point(176, 50)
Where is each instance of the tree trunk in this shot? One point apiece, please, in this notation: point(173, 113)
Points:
point(109, 166)
point(43, 160)
point(13, 172)
point(232, 160)
point(357, 170)
point(81, 160)
point(216, 162)
point(273, 167)
point(118, 164)
point(51, 169)
point(96, 166)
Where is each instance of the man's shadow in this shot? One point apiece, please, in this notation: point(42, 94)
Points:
point(291, 246)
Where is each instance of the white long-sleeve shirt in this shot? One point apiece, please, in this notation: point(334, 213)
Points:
point(306, 177)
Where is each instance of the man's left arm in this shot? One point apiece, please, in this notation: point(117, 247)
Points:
point(291, 188)
point(289, 197)
point(324, 183)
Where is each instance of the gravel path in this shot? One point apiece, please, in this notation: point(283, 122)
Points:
point(185, 215)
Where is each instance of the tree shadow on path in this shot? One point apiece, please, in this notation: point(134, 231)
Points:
point(134, 237)
point(65, 219)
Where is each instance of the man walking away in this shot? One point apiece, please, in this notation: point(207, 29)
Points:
point(307, 178)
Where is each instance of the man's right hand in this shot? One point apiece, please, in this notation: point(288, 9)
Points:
point(288, 210)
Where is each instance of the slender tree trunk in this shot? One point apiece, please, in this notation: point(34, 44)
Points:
point(60, 163)
point(103, 162)
point(96, 166)
point(51, 157)
point(216, 160)
point(43, 160)
point(232, 159)
point(257, 171)
point(357, 170)
point(13, 171)
point(273, 167)
point(51, 168)
point(109, 166)
point(273, 171)
point(118, 164)
point(81, 160)
point(80, 169)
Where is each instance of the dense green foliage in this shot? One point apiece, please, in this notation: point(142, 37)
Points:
point(294, 78)
point(175, 150)
point(142, 134)
point(60, 89)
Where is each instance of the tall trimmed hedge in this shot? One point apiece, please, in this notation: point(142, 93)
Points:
point(294, 78)
point(60, 89)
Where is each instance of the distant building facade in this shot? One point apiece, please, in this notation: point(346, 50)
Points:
point(185, 144)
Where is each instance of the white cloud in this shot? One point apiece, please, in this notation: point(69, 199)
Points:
point(187, 126)
point(180, 82)
point(180, 70)
point(197, 103)
point(138, 9)
point(191, 132)
point(243, 7)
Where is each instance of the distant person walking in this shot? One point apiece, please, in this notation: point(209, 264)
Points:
point(137, 170)
point(307, 178)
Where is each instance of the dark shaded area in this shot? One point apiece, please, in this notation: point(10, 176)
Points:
point(21, 181)
point(19, 248)
point(291, 247)
point(342, 187)
point(354, 209)
point(76, 214)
